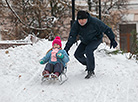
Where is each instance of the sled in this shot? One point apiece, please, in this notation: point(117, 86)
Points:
point(53, 78)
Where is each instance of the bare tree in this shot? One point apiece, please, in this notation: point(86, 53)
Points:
point(43, 18)
point(1, 8)
point(112, 11)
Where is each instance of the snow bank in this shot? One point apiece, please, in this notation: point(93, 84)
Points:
point(20, 76)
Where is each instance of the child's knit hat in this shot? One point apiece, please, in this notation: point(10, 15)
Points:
point(57, 41)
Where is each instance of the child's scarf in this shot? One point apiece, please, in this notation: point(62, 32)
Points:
point(53, 55)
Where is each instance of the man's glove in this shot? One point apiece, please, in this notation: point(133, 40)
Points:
point(67, 52)
point(113, 43)
point(60, 55)
point(41, 62)
point(67, 49)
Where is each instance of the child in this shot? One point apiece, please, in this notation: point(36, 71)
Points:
point(56, 58)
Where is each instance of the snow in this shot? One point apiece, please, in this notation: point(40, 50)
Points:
point(20, 77)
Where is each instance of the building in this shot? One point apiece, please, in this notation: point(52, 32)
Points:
point(129, 24)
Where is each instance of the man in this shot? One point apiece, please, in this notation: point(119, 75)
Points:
point(90, 31)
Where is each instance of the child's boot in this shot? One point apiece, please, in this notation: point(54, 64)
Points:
point(57, 74)
point(45, 73)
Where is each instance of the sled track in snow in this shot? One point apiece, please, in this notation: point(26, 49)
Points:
point(29, 82)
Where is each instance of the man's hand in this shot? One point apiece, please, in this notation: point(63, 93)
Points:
point(113, 44)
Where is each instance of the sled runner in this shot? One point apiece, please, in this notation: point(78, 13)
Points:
point(54, 78)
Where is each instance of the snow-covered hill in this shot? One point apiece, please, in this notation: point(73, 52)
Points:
point(20, 77)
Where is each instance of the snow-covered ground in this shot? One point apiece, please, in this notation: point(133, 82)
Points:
point(20, 77)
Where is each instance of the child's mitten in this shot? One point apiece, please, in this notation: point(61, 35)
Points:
point(60, 55)
point(41, 62)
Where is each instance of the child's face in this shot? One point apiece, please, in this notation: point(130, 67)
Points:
point(56, 46)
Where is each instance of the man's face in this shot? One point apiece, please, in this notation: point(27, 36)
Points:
point(82, 22)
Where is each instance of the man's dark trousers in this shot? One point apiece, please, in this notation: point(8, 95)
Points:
point(88, 49)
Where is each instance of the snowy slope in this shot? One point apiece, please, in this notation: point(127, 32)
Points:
point(20, 77)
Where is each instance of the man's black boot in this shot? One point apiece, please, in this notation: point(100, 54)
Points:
point(89, 74)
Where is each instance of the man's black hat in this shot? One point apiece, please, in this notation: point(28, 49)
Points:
point(82, 15)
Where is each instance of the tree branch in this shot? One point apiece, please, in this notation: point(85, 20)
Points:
point(27, 26)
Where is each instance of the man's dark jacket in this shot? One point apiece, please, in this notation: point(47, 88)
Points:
point(92, 30)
